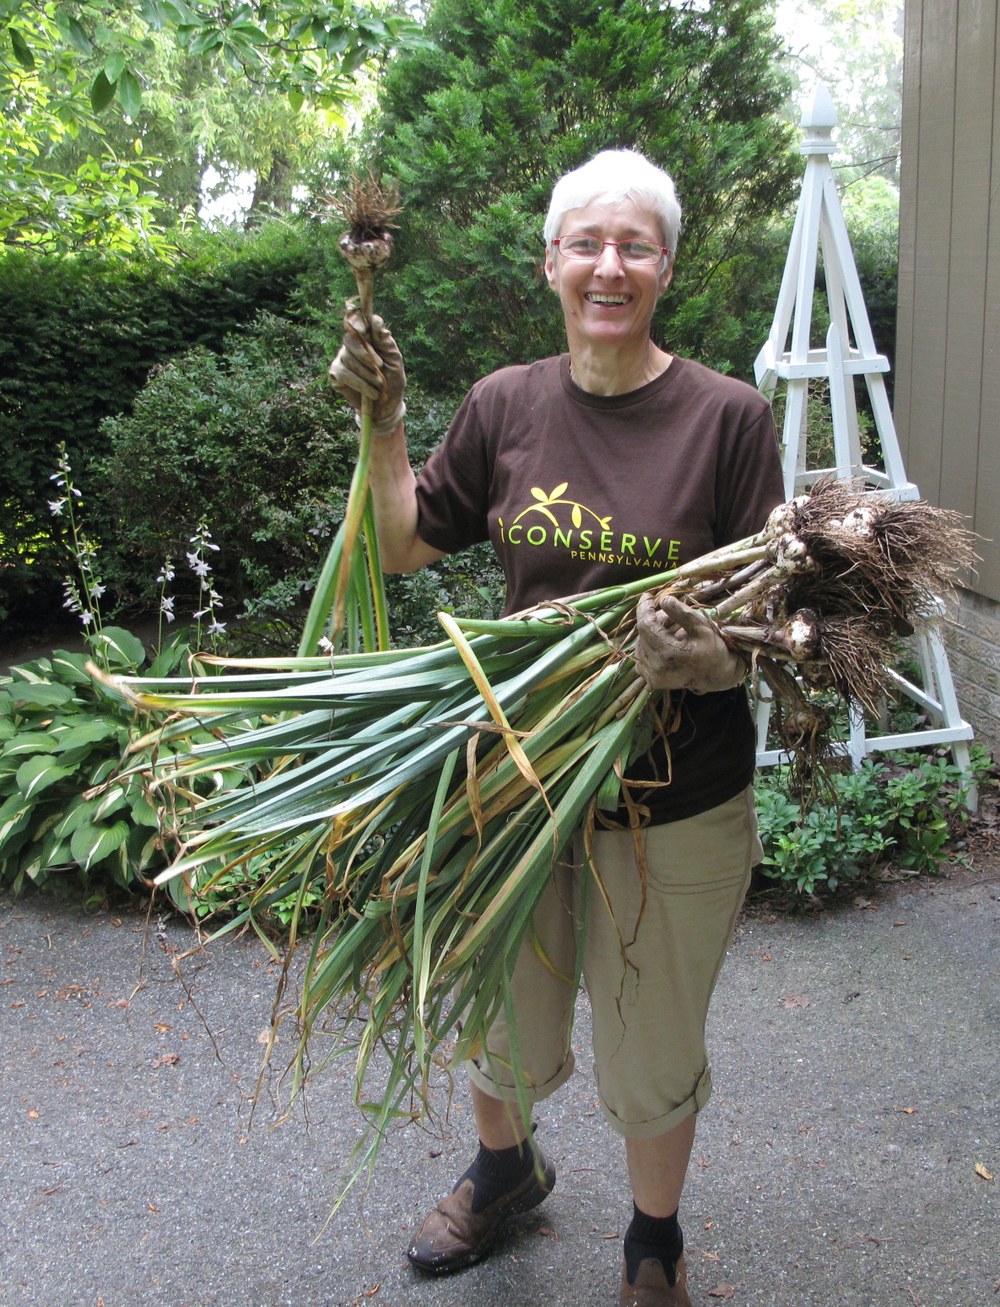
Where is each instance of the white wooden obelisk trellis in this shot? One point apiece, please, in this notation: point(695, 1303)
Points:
point(789, 357)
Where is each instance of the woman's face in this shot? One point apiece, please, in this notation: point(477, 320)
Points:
point(608, 303)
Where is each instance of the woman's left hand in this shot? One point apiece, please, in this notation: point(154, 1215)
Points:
point(679, 648)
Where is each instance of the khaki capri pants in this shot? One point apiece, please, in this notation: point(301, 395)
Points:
point(649, 969)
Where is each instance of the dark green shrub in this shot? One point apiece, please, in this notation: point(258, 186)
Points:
point(78, 338)
point(251, 441)
point(254, 443)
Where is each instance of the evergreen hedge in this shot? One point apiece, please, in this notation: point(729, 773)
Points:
point(78, 338)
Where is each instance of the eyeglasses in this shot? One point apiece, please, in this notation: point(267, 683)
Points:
point(588, 249)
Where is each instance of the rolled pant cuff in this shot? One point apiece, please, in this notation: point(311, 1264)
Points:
point(662, 1125)
point(483, 1081)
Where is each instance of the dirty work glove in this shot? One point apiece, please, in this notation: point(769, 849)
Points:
point(369, 364)
point(679, 648)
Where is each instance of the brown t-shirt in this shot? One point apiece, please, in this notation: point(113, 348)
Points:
point(579, 491)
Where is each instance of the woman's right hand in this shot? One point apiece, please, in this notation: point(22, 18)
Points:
point(369, 365)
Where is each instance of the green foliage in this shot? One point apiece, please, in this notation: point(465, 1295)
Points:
point(251, 441)
point(477, 129)
point(254, 442)
point(65, 70)
point(906, 810)
point(78, 338)
point(66, 808)
point(77, 814)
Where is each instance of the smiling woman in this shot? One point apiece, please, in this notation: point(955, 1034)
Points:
point(653, 460)
point(609, 260)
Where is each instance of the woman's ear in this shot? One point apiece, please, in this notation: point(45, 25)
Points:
point(550, 270)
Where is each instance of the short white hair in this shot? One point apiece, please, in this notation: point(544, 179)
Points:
point(616, 175)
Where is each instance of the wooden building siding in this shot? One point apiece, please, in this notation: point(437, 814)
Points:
point(947, 396)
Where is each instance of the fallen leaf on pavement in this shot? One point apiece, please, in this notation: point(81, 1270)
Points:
point(723, 1291)
point(795, 1000)
point(984, 1173)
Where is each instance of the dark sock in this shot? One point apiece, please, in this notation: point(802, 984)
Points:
point(653, 1236)
point(495, 1171)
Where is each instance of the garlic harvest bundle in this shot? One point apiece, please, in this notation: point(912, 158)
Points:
point(386, 781)
point(847, 573)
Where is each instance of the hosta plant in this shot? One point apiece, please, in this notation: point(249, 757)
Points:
point(62, 738)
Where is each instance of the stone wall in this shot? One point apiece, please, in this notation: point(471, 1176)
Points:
point(973, 640)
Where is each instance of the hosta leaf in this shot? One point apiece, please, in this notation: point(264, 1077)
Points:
point(110, 802)
point(39, 694)
point(103, 770)
point(92, 843)
point(37, 774)
point(143, 812)
point(81, 812)
point(71, 667)
point(88, 732)
point(31, 742)
point(55, 852)
point(13, 820)
point(119, 647)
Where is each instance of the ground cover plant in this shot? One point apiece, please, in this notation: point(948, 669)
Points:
point(72, 818)
point(899, 814)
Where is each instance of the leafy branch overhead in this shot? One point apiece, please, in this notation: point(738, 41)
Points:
point(312, 53)
point(88, 90)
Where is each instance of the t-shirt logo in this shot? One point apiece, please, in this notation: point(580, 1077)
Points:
point(584, 533)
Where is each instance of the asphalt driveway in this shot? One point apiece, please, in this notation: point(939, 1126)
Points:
point(847, 1156)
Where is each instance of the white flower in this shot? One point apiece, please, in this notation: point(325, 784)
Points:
point(217, 628)
point(56, 506)
point(96, 590)
point(86, 617)
point(325, 645)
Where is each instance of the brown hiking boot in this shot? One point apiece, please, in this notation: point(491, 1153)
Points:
point(651, 1288)
point(454, 1236)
